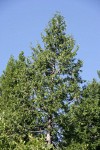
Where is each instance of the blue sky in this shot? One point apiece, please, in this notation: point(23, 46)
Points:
point(22, 21)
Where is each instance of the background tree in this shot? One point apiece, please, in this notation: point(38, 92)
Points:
point(85, 119)
point(16, 110)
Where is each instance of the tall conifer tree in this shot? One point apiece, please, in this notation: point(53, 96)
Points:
point(56, 78)
point(16, 110)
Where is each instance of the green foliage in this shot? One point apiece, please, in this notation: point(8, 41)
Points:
point(85, 119)
point(16, 109)
point(33, 144)
point(41, 97)
point(77, 146)
point(56, 76)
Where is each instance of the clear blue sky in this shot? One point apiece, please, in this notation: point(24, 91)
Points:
point(22, 21)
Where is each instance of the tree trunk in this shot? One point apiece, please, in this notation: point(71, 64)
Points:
point(49, 128)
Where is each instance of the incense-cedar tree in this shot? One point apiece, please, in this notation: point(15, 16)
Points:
point(56, 78)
